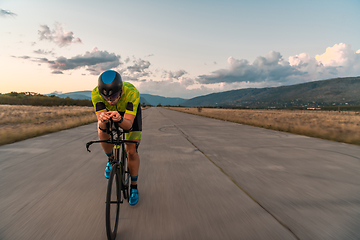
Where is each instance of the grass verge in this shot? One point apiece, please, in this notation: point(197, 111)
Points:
point(329, 125)
point(18, 122)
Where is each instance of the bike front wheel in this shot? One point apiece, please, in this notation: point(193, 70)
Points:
point(113, 200)
point(125, 174)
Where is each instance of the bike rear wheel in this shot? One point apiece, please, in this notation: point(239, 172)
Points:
point(113, 200)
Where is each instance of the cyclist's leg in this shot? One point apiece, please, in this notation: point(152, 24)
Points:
point(104, 136)
point(133, 164)
point(108, 148)
point(133, 156)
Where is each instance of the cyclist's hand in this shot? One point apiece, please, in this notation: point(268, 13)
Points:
point(115, 115)
point(104, 117)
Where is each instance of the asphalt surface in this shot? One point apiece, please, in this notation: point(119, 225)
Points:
point(199, 178)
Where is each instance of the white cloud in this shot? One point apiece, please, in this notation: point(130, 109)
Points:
point(22, 57)
point(173, 75)
point(58, 35)
point(43, 52)
point(339, 55)
point(187, 82)
point(171, 89)
point(5, 13)
point(188, 88)
point(96, 62)
point(270, 70)
point(337, 61)
point(136, 71)
point(138, 66)
point(271, 67)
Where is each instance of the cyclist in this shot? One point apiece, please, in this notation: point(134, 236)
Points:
point(119, 100)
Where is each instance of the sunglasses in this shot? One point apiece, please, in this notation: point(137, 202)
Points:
point(112, 97)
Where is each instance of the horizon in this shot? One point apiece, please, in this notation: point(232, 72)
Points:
point(177, 49)
point(58, 92)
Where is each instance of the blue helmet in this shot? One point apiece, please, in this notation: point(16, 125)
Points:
point(110, 84)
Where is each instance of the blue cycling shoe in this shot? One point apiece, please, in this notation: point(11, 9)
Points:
point(134, 197)
point(107, 170)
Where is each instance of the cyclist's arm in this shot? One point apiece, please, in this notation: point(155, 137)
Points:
point(133, 100)
point(127, 122)
point(99, 106)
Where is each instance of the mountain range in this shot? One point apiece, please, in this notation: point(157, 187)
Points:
point(146, 99)
point(337, 91)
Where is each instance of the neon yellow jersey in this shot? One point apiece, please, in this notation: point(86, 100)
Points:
point(128, 103)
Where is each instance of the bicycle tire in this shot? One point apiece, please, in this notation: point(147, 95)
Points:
point(125, 174)
point(113, 197)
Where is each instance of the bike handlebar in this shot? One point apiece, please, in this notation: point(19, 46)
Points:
point(111, 129)
point(110, 142)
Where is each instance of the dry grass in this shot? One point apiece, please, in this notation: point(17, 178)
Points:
point(18, 122)
point(331, 125)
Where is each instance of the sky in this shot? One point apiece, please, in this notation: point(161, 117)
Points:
point(176, 48)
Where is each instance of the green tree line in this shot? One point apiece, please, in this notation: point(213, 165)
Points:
point(36, 99)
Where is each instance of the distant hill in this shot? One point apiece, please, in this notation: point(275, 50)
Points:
point(155, 100)
point(147, 99)
point(73, 95)
point(338, 91)
point(143, 101)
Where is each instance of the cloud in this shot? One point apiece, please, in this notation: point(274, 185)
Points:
point(137, 70)
point(177, 74)
point(58, 35)
point(338, 61)
point(188, 88)
point(271, 67)
point(22, 57)
point(187, 82)
point(127, 60)
point(5, 13)
point(171, 89)
point(270, 70)
point(138, 66)
point(174, 75)
point(96, 62)
point(339, 55)
point(43, 52)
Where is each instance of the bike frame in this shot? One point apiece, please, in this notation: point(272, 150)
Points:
point(119, 164)
point(117, 138)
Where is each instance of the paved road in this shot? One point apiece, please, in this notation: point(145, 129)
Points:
point(200, 178)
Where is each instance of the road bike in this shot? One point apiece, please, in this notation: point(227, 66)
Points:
point(119, 178)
